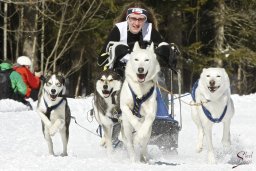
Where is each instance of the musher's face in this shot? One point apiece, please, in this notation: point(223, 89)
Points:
point(136, 22)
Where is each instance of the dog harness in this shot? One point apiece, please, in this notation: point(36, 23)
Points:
point(138, 101)
point(206, 111)
point(49, 109)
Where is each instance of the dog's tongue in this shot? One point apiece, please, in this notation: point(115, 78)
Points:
point(105, 92)
point(141, 76)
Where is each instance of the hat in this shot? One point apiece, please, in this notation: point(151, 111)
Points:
point(24, 60)
point(138, 11)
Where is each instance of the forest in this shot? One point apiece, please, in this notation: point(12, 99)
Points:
point(68, 35)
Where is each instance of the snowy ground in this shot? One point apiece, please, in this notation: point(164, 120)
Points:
point(22, 146)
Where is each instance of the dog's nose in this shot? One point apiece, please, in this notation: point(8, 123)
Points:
point(140, 70)
point(105, 86)
point(212, 83)
point(53, 91)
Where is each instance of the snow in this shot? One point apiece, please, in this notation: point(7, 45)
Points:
point(22, 145)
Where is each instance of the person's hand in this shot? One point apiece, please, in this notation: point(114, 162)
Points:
point(38, 74)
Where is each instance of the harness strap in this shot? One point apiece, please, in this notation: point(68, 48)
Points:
point(138, 101)
point(113, 97)
point(49, 109)
point(115, 120)
point(206, 111)
point(209, 115)
point(193, 93)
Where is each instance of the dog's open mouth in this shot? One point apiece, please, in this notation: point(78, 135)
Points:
point(53, 96)
point(141, 77)
point(213, 88)
point(106, 93)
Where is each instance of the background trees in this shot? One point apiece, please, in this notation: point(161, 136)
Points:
point(67, 35)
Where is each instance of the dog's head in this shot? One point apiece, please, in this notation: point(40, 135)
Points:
point(215, 79)
point(54, 85)
point(142, 65)
point(107, 83)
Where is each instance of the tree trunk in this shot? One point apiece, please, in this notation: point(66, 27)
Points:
point(42, 38)
point(5, 30)
point(219, 23)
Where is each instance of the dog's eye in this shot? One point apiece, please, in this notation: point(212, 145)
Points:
point(58, 84)
point(218, 75)
point(101, 80)
point(207, 75)
point(136, 59)
point(111, 80)
point(48, 84)
point(146, 59)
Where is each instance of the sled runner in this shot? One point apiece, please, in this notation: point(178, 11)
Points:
point(165, 128)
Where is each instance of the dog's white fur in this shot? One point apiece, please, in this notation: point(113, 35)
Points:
point(59, 118)
point(213, 86)
point(146, 59)
point(103, 106)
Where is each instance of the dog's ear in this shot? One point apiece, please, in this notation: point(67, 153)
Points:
point(61, 76)
point(151, 48)
point(136, 46)
point(48, 75)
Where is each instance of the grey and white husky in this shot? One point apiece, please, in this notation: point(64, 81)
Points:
point(106, 104)
point(53, 110)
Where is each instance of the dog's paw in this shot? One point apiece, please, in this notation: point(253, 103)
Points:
point(226, 144)
point(64, 154)
point(53, 130)
point(199, 148)
point(211, 158)
point(103, 142)
point(143, 159)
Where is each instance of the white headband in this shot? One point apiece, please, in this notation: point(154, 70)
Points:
point(138, 11)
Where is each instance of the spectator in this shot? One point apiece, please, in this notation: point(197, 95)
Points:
point(32, 81)
point(11, 84)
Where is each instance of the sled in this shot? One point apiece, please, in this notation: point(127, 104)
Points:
point(165, 129)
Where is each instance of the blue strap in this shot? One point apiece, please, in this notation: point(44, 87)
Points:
point(49, 109)
point(206, 111)
point(209, 115)
point(138, 101)
point(193, 93)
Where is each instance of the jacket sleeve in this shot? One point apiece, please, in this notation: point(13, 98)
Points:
point(18, 84)
point(113, 36)
point(32, 80)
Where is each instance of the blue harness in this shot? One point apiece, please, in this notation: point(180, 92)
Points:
point(207, 112)
point(138, 101)
point(49, 109)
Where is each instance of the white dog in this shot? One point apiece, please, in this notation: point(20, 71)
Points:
point(54, 110)
point(138, 100)
point(212, 94)
point(106, 104)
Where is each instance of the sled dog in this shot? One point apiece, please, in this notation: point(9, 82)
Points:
point(212, 93)
point(54, 110)
point(106, 104)
point(138, 100)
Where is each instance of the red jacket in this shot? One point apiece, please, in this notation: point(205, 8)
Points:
point(29, 79)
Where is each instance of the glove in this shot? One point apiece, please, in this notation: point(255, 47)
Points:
point(42, 78)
